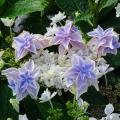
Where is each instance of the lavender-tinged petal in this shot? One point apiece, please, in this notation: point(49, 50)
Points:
point(36, 73)
point(76, 60)
point(82, 85)
point(11, 73)
point(32, 49)
point(33, 92)
point(61, 50)
point(76, 37)
point(68, 27)
point(20, 53)
point(108, 32)
point(29, 65)
point(65, 44)
point(57, 40)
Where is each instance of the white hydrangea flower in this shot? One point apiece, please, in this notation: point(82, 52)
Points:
point(117, 10)
point(109, 109)
point(15, 104)
point(57, 18)
point(109, 112)
point(7, 22)
point(23, 117)
point(51, 30)
point(102, 67)
point(46, 96)
point(18, 26)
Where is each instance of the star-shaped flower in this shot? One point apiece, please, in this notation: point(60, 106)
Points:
point(46, 96)
point(105, 41)
point(57, 18)
point(66, 36)
point(23, 81)
point(24, 43)
point(82, 75)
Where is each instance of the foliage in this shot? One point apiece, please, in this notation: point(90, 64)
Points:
point(22, 7)
point(55, 114)
point(77, 112)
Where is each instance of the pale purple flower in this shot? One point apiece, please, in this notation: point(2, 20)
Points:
point(23, 81)
point(82, 75)
point(106, 41)
point(66, 36)
point(24, 43)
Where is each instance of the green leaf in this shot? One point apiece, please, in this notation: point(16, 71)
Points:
point(106, 3)
point(105, 8)
point(22, 7)
point(111, 21)
point(6, 109)
point(2, 2)
point(30, 108)
point(71, 6)
point(114, 60)
point(84, 17)
point(94, 97)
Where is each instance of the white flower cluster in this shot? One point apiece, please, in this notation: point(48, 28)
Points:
point(53, 69)
point(54, 27)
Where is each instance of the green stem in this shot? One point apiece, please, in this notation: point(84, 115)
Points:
point(95, 19)
point(11, 33)
point(106, 81)
point(51, 104)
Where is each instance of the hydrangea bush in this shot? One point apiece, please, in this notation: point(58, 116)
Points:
point(59, 60)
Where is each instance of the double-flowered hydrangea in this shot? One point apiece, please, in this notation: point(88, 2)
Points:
point(23, 44)
point(82, 75)
point(23, 81)
point(27, 42)
point(105, 41)
point(66, 36)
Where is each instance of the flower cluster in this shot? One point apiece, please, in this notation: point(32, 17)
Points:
point(23, 81)
point(77, 64)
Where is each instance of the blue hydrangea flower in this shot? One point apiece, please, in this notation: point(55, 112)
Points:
point(81, 75)
point(106, 41)
point(23, 81)
point(66, 36)
point(24, 43)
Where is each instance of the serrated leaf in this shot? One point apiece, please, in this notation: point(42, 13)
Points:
point(22, 7)
point(70, 6)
